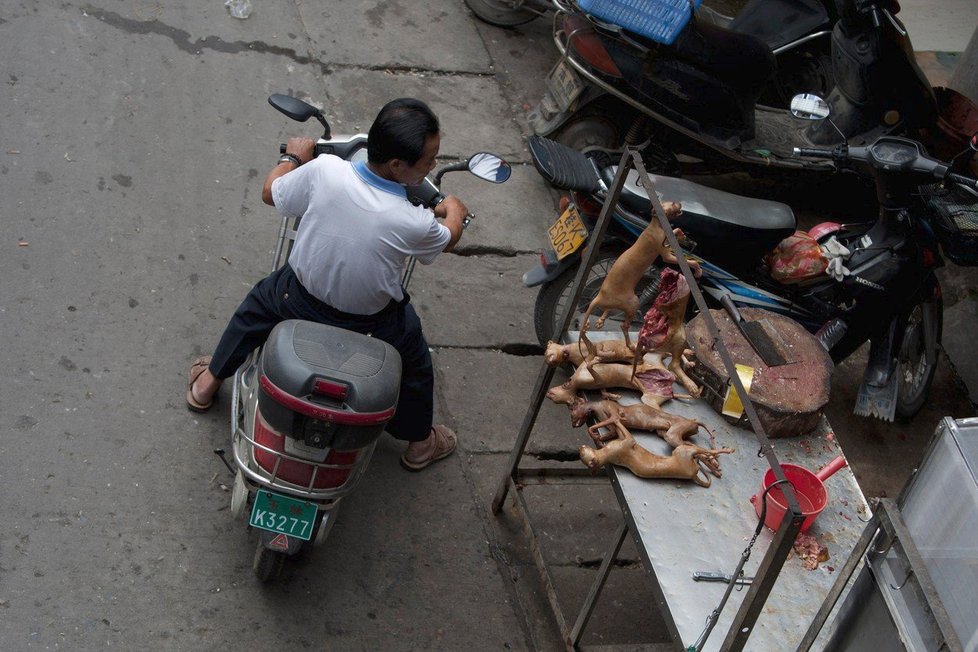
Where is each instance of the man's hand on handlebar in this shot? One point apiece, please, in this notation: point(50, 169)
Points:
point(453, 212)
point(301, 147)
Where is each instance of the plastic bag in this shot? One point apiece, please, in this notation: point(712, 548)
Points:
point(796, 258)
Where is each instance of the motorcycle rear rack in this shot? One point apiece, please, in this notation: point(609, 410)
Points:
point(244, 446)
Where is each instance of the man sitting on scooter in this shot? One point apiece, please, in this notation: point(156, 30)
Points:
point(356, 232)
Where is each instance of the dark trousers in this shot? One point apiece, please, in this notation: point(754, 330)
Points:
point(280, 296)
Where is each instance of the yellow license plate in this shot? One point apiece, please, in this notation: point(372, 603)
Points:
point(568, 233)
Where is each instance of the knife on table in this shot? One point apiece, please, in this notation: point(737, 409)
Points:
point(708, 576)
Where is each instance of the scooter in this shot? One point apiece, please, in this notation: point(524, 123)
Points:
point(881, 287)
point(796, 31)
point(699, 104)
point(308, 406)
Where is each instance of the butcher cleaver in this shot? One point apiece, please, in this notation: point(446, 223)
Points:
point(756, 335)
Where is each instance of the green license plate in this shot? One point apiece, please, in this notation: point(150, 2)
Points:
point(282, 514)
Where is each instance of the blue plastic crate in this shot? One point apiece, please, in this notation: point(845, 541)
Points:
point(659, 20)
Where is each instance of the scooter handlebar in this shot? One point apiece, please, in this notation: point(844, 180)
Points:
point(963, 180)
point(813, 152)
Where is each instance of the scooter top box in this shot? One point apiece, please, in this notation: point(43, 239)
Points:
point(659, 20)
point(328, 387)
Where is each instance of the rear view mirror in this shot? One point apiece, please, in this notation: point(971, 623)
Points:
point(974, 141)
point(809, 107)
point(298, 110)
point(490, 167)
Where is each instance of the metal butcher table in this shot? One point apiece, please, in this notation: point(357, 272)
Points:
point(680, 527)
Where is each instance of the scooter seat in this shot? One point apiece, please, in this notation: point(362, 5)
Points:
point(779, 22)
point(742, 61)
point(731, 229)
point(563, 167)
point(755, 214)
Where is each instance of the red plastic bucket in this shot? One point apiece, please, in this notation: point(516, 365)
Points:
point(809, 489)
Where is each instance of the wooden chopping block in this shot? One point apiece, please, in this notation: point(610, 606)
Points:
point(788, 398)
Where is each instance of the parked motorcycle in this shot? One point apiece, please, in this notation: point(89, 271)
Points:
point(308, 407)
point(796, 31)
point(882, 288)
point(702, 103)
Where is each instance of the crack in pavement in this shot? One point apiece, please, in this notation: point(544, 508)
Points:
point(519, 349)
point(182, 40)
point(487, 250)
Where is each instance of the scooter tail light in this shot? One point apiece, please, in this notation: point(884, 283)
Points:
point(583, 40)
point(333, 472)
point(329, 388)
point(585, 204)
point(928, 258)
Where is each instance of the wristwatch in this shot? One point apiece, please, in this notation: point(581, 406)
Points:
point(291, 158)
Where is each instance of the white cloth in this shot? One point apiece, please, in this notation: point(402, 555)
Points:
point(837, 254)
point(356, 232)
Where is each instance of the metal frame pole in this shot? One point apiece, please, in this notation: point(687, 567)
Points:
point(784, 538)
point(547, 373)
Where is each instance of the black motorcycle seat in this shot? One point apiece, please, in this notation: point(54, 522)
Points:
point(779, 22)
point(563, 167)
point(770, 218)
point(742, 61)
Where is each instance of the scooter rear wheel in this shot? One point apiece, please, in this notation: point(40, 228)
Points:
point(500, 13)
point(554, 296)
point(267, 564)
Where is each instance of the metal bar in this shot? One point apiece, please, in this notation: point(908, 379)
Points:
point(592, 597)
point(549, 475)
point(892, 522)
point(522, 511)
point(661, 603)
point(547, 373)
point(749, 611)
point(767, 574)
point(281, 242)
point(840, 584)
point(408, 272)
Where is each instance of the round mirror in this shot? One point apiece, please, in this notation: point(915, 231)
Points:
point(809, 107)
point(490, 167)
point(974, 141)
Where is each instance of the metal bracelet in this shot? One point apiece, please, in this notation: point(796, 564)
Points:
point(291, 158)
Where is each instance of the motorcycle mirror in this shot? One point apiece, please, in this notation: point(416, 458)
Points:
point(973, 143)
point(490, 167)
point(809, 107)
point(298, 110)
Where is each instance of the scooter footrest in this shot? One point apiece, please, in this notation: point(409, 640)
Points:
point(562, 166)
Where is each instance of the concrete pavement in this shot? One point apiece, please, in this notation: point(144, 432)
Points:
point(135, 136)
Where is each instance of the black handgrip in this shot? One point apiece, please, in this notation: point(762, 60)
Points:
point(281, 148)
point(963, 180)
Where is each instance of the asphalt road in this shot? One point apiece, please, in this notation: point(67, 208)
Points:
point(135, 137)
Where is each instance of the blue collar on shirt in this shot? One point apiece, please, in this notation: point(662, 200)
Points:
point(373, 179)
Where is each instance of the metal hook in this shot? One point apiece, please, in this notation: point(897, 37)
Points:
point(904, 583)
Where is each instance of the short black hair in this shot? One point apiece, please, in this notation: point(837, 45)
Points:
point(400, 131)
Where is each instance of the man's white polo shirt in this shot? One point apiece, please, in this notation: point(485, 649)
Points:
point(357, 230)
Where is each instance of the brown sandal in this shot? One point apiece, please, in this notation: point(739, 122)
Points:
point(198, 367)
point(445, 443)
